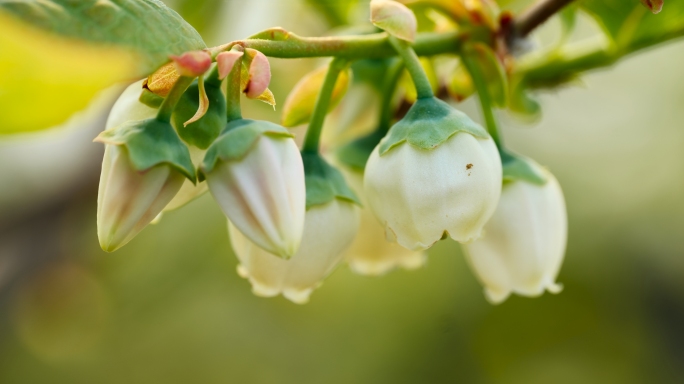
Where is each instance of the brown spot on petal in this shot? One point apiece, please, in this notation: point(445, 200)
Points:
point(469, 166)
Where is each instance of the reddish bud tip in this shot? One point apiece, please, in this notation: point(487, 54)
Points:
point(654, 5)
point(259, 74)
point(192, 64)
point(226, 62)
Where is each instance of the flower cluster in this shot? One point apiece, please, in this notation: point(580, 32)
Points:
point(294, 214)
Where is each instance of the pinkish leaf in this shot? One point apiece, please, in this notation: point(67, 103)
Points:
point(226, 62)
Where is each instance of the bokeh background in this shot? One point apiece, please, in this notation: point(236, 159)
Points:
point(169, 307)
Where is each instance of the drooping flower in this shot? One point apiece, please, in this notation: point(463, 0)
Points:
point(370, 253)
point(523, 245)
point(129, 199)
point(199, 134)
point(436, 174)
point(328, 230)
point(256, 175)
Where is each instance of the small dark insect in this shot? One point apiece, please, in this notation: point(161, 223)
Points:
point(469, 166)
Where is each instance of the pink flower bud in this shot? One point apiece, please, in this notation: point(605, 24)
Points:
point(226, 62)
point(259, 74)
point(192, 64)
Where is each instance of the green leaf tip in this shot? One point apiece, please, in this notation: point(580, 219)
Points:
point(149, 143)
point(429, 123)
point(236, 140)
point(324, 183)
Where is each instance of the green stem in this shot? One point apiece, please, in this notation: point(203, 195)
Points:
point(283, 44)
point(213, 77)
point(313, 134)
point(583, 56)
point(415, 68)
point(394, 71)
point(485, 100)
point(234, 92)
point(169, 103)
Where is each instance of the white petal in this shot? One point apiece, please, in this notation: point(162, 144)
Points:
point(129, 108)
point(370, 253)
point(524, 242)
point(420, 194)
point(328, 231)
point(264, 194)
point(128, 200)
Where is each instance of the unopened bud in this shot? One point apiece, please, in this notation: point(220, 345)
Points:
point(259, 74)
point(654, 5)
point(192, 64)
point(395, 18)
point(226, 62)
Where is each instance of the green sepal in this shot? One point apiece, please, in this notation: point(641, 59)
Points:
point(204, 131)
point(324, 183)
point(356, 153)
point(429, 123)
point(149, 143)
point(236, 140)
point(521, 168)
point(150, 99)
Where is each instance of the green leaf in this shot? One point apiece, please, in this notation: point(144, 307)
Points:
point(55, 56)
point(521, 100)
point(151, 142)
point(148, 27)
point(429, 123)
point(204, 131)
point(492, 72)
point(324, 183)
point(568, 19)
point(630, 25)
point(237, 139)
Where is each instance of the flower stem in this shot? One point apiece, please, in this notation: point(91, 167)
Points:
point(394, 71)
point(169, 103)
point(485, 100)
point(412, 63)
point(234, 91)
point(284, 44)
point(313, 134)
point(537, 14)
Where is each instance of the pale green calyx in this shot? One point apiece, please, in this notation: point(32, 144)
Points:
point(429, 123)
point(516, 167)
point(237, 138)
point(324, 183)
point(151, 142)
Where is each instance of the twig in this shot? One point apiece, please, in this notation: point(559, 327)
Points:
point(537, 14)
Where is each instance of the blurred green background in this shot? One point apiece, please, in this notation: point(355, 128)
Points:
point(169, 307)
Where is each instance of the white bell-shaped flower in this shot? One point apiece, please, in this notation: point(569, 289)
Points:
point(128, 199)
point(421, 195)
point(328, 230)
point(370, 253)
point(523, 244)
point(262, 191)
point(128, 107)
